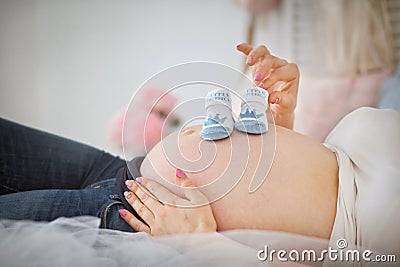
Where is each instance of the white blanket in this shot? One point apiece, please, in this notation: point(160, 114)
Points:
point(78, 242)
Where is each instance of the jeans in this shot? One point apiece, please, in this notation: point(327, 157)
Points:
point(44, 176)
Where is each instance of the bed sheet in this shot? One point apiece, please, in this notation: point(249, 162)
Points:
point(79, 242)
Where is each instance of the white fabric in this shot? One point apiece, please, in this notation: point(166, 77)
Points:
point(367, 145)
point(78, 242)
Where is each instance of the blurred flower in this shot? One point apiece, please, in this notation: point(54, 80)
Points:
point(146, 122)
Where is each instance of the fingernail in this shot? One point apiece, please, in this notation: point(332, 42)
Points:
point(127, 195)
point(261, 85)
point(257, 76)
point(139, 180)
point(179, 173)
point(276, 100)
point(249, 60)
point(129, 183)
point(122, 213)
point(237, 46)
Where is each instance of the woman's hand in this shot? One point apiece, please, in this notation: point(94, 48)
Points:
point(278, 77)
point(161, 219)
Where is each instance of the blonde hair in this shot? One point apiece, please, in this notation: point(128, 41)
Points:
point(355, 35)
point(336, 37)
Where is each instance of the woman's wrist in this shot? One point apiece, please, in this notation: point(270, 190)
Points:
point(285, 120)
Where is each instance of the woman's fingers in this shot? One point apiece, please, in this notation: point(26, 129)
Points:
point(286, 73)
point(256, 55)
point(266, 66)
point(253, 54)
point(282, 100)
point(189, 190)
point(163, 220)
point(142, 210)
point(195, 196)
point(276, 97)
point(245, 48)
point(158, 191)
point(145, 197)
point(134, 222)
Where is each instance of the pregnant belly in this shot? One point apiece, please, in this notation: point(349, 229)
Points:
point(298, 195)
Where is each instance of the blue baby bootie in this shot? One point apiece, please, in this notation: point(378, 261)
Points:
point(219, 122)
point(252, 118)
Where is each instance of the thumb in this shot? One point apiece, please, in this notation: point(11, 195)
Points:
point(189, 189)
point(282, 102)
point(181, 179)
point(276, 97)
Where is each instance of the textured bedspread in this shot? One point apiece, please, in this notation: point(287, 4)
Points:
point(78, 242)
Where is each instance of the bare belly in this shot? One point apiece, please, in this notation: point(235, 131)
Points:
point(299, 194)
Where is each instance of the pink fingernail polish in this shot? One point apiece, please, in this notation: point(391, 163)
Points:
point(128, 183)
point(122, 213)
point(179, 173)
point(257, 76)
point(139, 180)
point(261, 85)
point(249, 60)
point(127, 195)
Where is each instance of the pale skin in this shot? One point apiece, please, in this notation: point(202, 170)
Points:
point(278, 77)
point(299, 193)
